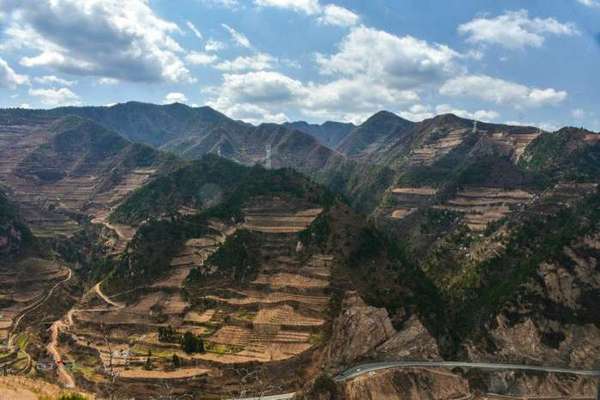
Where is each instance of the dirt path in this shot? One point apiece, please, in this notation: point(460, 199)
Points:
point(64, 376)
point(98, 291)
point(35, 306)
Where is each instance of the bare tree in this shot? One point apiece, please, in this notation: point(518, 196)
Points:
point(253, 382)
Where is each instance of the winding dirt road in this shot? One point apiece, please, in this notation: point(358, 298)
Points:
point(64, 376)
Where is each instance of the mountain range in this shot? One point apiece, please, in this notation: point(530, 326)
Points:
point(284, 247)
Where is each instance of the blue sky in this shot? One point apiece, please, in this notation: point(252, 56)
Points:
point(530, 62)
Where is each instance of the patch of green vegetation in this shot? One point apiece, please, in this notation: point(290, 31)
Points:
point(22, 340)
point(222, 349)
point(563, 155)
point(487, 286)
point(191, 343)
point(323, 387)
point(72, 396)
point(11, 224)
point(389, 278)
point(230, 184)
point(316, 339)
point(433, 219)
point(237, 258)
point(318, 232)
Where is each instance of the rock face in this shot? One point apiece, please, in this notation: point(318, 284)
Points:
point(359, 330)
point(13, 233)
point(412, 342)
point(407, 385)
point(363, 331)
point(554, 318)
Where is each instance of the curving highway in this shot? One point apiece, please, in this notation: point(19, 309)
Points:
point(362, 369)
point(366, 368)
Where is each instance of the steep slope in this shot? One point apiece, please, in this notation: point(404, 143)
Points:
point(15, 236)
point(152, 124)
point(375, 135)
point(253, 262)
point(329, 133)
point(62, 171)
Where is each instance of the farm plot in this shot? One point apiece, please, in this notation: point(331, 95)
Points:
point(429, 152)
point(408, 199)
point(481, 206)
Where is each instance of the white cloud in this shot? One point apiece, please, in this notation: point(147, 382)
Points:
point(420, 112)
point(108, 81)
point(514, 30)
point(546, 126)
point(52, 79)
point(372, 70)
point(329, 14)
point(55, 97)
point(231, 4)
point(118, 39)
point(200, 58)
point(175, 97)
point(262, 87)
point(257, 62)
point(214, 45)
point(401, 62)
point(336, 15)
point(9, 78)
point(590, 3)
point(479, 115)
point(499, 91)
point(309, 7)
point(255, 115)
point(194, 30)
point(239, 38)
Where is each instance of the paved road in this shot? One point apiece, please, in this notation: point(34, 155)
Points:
point(366, 368)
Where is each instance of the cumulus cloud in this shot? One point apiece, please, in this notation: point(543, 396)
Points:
point(371, 70)
point(500, 91)
point(52, 79)
point(329, 14)
point(214, 45)
point(590, 3)
point(420, 112)
point(55, 97)
point(309, 7)
point(175, 97)
point(401, 62)
point(239, 38)
point(104, 38)
point(479, 115)
point(9, 78)
point(194, 30)
point(336, 15)
point(108, 81)
point(254, 114)
point(200, 58)
point(231, 4)
point(257, 62)
point(514, 30)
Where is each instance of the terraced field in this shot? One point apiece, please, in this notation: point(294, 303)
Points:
point(435, 149)
point(121, 336)
point(24, 288)
point(481, 206)
point(517, 142)
point(53, 192)
point(276, 316)
point(408, 199)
